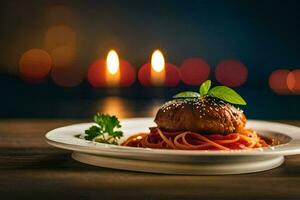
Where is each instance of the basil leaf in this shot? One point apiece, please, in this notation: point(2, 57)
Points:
point(187, 94)
point(204, 88)
point(227, 94)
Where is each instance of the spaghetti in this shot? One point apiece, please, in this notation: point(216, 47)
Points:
point(187, 140)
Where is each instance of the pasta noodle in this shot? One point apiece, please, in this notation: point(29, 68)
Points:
point(187, 140)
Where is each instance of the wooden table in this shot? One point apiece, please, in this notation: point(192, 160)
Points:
point(31, 169)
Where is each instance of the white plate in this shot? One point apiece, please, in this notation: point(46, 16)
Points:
point(178, 161)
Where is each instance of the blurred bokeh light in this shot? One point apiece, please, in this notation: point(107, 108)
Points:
point(55, 14)
point(97, 72)
point(144, 74)
point(278, 81)
point(67, 76)
point(115, 106)
point(60, 35)
point(112, 69)
point(35, 65)
point(127, 73)
point(172, 77)
point(65, 72)
point(293, 81)
point(63, 56)
point(194, 71)
point(158, 69)
point(231, 73)
point(59, 43)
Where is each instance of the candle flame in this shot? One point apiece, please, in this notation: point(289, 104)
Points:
point(112, 62)
point(157, 61)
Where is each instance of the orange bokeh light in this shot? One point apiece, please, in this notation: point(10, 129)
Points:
point(59, 14)
point(64, 71)
point(171, 72)
point(115, 105)
point(35, 65)
point(144, 74)
point(231, 73)
point(112, 75)
point(60, 35)
point(97, 72)
point(194, 71)
point(293, 81)
point(172, 75)
point(68, 77)
point(63, 56)
point(127, 73)
point(278, 81)
point(158, 68)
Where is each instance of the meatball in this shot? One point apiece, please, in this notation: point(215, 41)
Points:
point(202, 115)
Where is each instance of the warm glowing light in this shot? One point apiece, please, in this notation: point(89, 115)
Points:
point(293, 81)
point(194, 71)
point(67, 76)
point(63, 56)
point(112, 62)
point(112, 69)
point(115, 105)
point(232, 73)
point(158, 72)
point(157, 61)
point(99, 76)
point(96, 73)
point(278, 81)
point(172, 77)
point(58, 14)
point(127, 73)
point(64, 71)
point(139, 137)
point(144, 75)
point(35, 65)
point(60, 35)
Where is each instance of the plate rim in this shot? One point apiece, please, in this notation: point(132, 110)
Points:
point(291, 148)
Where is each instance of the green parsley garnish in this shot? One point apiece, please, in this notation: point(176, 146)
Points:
point(221, 92)
point(106, 129)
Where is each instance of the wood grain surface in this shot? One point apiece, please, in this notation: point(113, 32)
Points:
point(31, 169)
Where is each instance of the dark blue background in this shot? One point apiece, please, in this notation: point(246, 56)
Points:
point(264, 35)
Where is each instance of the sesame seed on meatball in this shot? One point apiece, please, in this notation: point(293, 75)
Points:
point(202, 115)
